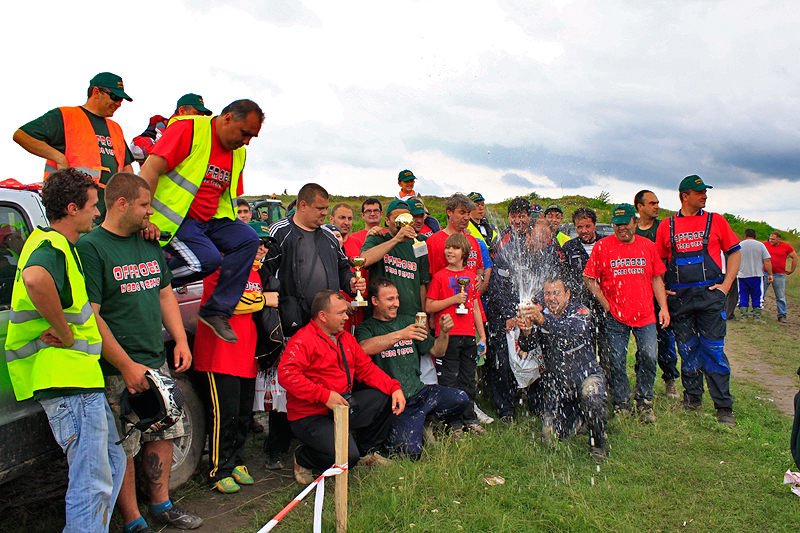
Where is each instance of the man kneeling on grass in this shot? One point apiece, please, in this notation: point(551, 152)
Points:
point(318, 368)
point(396, 343)
point(574, 384)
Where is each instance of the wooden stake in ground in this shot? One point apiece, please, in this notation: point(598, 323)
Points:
point(341, 425)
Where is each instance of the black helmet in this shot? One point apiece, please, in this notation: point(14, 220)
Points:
point(156, 409)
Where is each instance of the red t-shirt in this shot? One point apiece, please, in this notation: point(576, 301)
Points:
point(779, 253)
point(436, 259)
point(443, 285)
point(175, 145)
point(625, 273)
point(689, 236)
point(212, 354)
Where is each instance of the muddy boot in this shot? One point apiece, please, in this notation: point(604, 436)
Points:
point(744, 313)
point(757, 316)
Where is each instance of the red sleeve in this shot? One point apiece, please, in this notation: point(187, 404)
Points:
point(295, 359)
point(662, 239)
point(367, 372)
point(477, 248)
point(728, 238)
point(176, 143)
point(658, 264)
point(240, 186)
point(434, 287)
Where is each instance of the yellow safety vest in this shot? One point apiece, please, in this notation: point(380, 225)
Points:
point(34, 365)
point(177, 188)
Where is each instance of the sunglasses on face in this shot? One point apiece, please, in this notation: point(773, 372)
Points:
point(114, 97)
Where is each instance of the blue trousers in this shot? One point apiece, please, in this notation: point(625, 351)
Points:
point(779, 286)
point(698, 320)
point(83, 425)
point(200, 248)
point(618, 335)
point(405, 429)
point(750, 290)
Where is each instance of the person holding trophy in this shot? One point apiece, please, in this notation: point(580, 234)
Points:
point(453, 291)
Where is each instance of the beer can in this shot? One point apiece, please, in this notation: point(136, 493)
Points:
point(422, 319)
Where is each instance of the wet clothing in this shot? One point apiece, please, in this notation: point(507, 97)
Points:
point(692, 247)
point(576, 258)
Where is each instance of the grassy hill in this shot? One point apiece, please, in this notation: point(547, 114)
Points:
point(498, 212)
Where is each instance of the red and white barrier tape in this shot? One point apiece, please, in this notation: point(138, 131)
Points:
point(320, 496)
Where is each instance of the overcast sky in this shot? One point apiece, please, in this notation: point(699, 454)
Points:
point(501, 97)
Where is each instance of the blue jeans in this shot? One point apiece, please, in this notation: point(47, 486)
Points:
point(779, 286)
point(405, 429)
point(83, 425)
point(618, 335)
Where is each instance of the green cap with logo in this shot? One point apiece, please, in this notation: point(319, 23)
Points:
point(194, 100)
point(406, 175)
point(476, 197)
point(693, 183)
point(553, 207)
point(396, 204)
point(416, 206)
point(262, 230)
point(112, 82)
point(622, 214)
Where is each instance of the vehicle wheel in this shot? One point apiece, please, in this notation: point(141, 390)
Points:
point(188, 449)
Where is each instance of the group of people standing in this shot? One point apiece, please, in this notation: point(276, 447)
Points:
point(87, 311)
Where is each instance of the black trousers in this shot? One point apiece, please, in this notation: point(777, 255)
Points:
point(229, 407)
point(369, 426)
point(456, 369)
point(279, 435)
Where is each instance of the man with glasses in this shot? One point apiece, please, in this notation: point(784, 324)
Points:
point(84, 136)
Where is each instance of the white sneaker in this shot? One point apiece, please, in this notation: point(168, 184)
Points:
point(483, 417)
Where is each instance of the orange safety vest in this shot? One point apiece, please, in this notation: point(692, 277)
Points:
point(81, 144)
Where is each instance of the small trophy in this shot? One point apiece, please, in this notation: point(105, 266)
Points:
point(357, 263)
point(462, 309)
point(420, 248)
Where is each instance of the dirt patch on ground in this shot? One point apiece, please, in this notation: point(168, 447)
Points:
point(746, 363)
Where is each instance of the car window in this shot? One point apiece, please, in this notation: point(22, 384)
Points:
point(14, 230)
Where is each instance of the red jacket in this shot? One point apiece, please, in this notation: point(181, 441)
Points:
point(311, 367)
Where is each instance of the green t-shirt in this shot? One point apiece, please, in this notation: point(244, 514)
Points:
point(50, 129)
point(401, 361)
point(53, 260)
point(650, 232)
point(405, 270)
point(125, 276)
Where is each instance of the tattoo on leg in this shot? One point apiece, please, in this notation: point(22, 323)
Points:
point(153, 469)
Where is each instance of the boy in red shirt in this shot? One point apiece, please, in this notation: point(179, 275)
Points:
point(623, 273)
point(457, 367)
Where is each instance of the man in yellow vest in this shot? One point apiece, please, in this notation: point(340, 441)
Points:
point(84, 136)
point(53, 347)
point(195, 171)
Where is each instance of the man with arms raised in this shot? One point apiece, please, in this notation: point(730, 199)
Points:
point(646, 204)
point(127, 277)
point(53, 347)
point(84, 136)
point(195, 172)
point(624, 273)
point(691, 243)
point(391, 255)
point(396, 342)
point(318, 369)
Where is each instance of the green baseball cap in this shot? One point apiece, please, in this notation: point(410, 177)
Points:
point(112, 82)
point(406, 175)
point(476, 197)
point(262, 230)
point(416, 206)
point(194, 100)
point(396, 204)
point(693, 183)
point(553, 207)
point(622, 214)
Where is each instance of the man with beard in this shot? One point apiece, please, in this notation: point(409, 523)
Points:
point(521, 267)
point(127, 276)
point(573, 383)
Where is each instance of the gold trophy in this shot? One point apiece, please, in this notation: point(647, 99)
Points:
point(406, 219)
point(357, 263)
point(462, 309)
